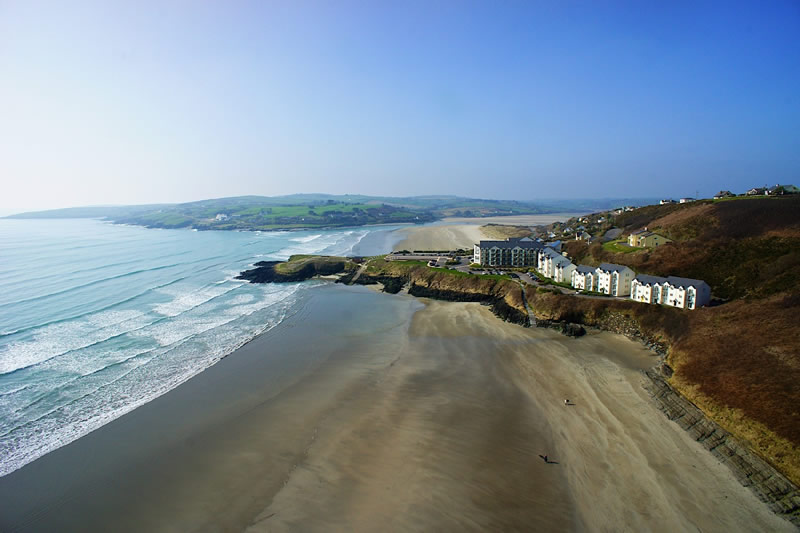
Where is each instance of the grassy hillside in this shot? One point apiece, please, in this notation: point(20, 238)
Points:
point(738, 361)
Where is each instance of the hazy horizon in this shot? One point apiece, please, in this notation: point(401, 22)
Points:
point(135, 103)
point(6, 211)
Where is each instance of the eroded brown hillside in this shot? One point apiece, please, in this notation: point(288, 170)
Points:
point(742, 248)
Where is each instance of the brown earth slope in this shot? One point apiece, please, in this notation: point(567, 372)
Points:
point(738, 361)
point(740, 248)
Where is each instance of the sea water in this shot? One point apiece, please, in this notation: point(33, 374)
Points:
point(97, 319)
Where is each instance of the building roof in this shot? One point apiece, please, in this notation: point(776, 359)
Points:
point(511, 243)
point(644, 279)
point(611, 267)
point(552, 253)
point(644, 234)
point(685, 282)
point(562, 264)
point(586, 269)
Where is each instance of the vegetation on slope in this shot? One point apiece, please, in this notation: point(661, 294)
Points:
point(739, 361)
point(748, 248)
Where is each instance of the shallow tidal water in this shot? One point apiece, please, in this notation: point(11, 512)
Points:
point(97, 319)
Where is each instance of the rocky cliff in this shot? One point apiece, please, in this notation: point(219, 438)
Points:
point(298, 268)
point(502, 295)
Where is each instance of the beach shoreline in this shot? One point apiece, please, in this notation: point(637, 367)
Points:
point(365, 410)
point(454, 233)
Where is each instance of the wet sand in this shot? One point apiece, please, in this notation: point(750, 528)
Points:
point(368, 412)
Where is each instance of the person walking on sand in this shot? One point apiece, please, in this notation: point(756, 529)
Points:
point(566, 402)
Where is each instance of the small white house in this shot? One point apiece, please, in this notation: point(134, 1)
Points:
point(685, 293)
point(584, 278)
point(614, 280)
point(562, 271)
point(686, 200)
point(221, 217)
point(647, 289)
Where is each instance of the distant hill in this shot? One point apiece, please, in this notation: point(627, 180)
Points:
point(99, 211)
point(314, 210)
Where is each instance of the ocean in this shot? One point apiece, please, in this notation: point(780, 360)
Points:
point(97, 319)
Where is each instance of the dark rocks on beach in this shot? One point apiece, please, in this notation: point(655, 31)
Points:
point(570, 329)
point(391, 284)
point(264, 272)
point(573, 330)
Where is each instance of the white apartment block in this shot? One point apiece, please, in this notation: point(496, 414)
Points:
point(562, 272)
point(683, 293)
point(548, 260)
point(584, 278)
point(686, 293)
point(614, 280)
point(647, 289)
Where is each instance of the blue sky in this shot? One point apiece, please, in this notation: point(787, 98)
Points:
point(115, 102)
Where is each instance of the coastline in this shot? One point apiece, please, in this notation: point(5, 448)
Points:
point(365, 410)
point(453, 233)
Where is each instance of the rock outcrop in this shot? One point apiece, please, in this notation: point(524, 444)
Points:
point(268, 271)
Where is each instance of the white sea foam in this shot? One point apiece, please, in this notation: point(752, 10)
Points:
point(185, 301)
point(61, 338)
point(162, 372)
point(306, 239)
point(64, 379)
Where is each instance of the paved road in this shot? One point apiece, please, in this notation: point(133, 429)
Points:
point(361, 269)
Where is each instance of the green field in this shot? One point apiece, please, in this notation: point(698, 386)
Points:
point(619, 247)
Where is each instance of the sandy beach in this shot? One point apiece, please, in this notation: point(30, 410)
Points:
point(515, 220)
point(370, 412)
point(441, 237)
point(454, 233)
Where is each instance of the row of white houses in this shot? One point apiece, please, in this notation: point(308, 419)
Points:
point(608, 278)
point(619, 280)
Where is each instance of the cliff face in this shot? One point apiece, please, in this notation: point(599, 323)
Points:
point(658, 327)
point(503, 296)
